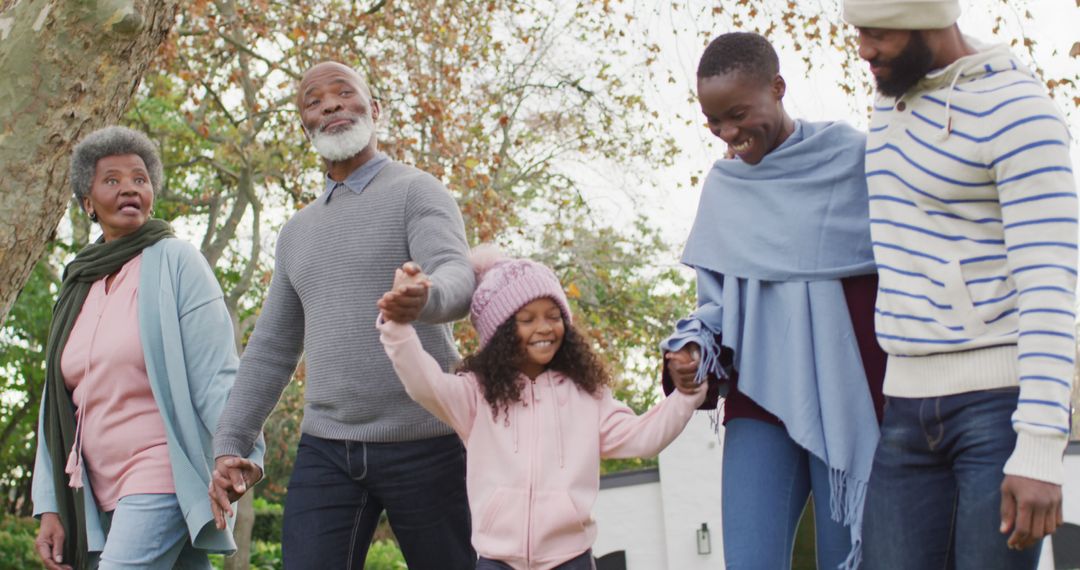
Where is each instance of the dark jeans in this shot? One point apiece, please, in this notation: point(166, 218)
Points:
point(583, 561)
point(338, 490)
point(934, 498)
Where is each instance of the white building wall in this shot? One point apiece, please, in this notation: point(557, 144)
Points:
point(632, 519)
point(1070, 499)
point(656, 523)
point(1071, 490)
point(690, 488)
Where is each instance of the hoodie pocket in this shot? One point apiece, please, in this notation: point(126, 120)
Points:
point(558, 526)
point(501, 528)
point(963, 311)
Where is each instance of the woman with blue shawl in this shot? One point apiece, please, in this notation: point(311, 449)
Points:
point(784, 323)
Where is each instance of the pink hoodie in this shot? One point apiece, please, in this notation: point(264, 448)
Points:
point(533, 477)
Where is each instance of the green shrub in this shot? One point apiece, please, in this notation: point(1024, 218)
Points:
point(266, 555)
point(268, 520)
point(384, 555)
point(17, 542)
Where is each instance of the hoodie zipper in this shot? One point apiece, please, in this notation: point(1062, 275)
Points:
point(532, 471)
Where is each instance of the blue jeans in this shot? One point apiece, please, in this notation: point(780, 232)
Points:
point(148, 532)
point(935, 490)
point(339, 489)
point(767, 481)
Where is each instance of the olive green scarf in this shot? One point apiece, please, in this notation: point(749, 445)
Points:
point(94, 262)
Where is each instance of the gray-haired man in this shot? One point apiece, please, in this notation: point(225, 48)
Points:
point(366, 446)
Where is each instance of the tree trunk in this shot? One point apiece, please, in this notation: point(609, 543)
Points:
point(245, 521)
point(66, 69)
point(245, 507)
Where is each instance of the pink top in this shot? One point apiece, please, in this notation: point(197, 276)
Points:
point(532, 476)
point(121, 432)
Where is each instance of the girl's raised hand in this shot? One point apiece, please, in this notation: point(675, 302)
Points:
point(404, 302)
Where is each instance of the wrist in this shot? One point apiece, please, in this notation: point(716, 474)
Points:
point(1037, 457)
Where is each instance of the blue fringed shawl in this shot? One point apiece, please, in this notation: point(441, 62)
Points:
point(770, 244)
point(800, 214)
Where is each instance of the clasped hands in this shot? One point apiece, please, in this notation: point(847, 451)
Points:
point(683, 365)
point(406, 299)
point(232, 477)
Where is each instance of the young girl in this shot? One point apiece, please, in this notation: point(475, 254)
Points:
point(535, 411)
point(786, 285)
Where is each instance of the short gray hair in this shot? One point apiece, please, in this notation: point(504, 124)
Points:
point(111, 141)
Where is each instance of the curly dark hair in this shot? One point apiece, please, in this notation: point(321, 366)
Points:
point(498, 365)
point(745, 52)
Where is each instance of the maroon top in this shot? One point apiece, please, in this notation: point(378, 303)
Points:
point(861, 294)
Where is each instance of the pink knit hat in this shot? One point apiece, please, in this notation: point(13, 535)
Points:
point(505, 285)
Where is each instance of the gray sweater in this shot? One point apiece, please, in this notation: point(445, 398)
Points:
point(334, 261)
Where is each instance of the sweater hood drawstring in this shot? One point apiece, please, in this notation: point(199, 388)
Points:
point(514, 421)
point(558, 421)
point(987, 60)
point(946, 125)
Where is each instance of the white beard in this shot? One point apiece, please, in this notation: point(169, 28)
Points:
point(336, 147)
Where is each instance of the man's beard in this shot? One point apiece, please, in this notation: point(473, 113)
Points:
point(907, 68)
point(336, 147)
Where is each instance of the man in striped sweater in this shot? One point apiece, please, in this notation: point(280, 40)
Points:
point(974, 225)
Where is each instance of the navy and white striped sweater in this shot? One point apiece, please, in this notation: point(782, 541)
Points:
point(974, 221)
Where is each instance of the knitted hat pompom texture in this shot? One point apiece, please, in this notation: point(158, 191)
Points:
point(504, 285)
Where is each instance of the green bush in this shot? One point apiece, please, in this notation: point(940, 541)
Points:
point(384, 555)
point(268, 520)
point(17, 542)
point(804, 555)
point(264, 556)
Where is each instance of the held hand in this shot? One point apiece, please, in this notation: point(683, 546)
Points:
point(404, 302)
point(50, 542)
point(232, 477)
point(410, 274)
point(683, 367)
point(1030, 510)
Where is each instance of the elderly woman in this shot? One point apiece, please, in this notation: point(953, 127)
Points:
point(139, 363)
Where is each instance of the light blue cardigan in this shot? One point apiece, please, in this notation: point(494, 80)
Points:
point(188, 344)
